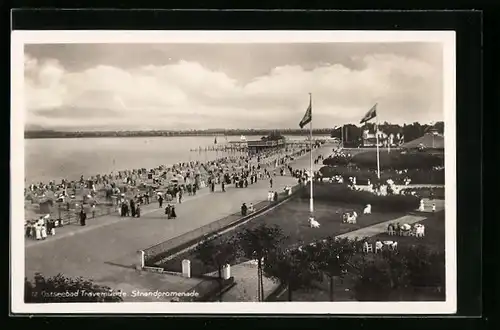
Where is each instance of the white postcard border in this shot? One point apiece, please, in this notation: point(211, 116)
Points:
point(17, 257)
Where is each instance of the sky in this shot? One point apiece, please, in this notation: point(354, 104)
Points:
point(199, 86)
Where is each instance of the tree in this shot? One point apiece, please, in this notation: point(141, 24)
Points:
point(395, 274)
point(217, 252)
point(426, 268)
point(257, 244)
point(294, 268)
point(333, 256)
point(64, 289)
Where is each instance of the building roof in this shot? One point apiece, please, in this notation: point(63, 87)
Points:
point(427, 141)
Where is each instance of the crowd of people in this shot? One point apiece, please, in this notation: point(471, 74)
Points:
point(126, 191)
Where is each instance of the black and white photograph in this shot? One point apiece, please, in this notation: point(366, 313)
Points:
point(233, 172)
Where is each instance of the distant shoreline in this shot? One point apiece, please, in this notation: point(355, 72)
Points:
point(127, 134)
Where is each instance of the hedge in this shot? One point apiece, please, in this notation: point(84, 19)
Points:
point(363, 175)
point(397, 160)
point(341, 193)
point(337, 160)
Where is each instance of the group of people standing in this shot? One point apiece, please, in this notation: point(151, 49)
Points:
point(130, 209)
point(41, 228)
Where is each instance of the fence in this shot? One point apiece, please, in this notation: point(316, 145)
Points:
point(72, 215)
point(161, 251)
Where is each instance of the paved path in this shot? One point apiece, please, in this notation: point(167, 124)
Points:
point(245, 275)
point(381, 227)
point(106, 249)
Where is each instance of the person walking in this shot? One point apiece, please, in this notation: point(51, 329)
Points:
point(168, 209)
point(138, 210)
point(271, 183)
point(223, 186)
point(132, 208)
point(83, 217)
point(160, 201)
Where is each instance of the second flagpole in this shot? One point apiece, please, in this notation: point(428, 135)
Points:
point(311, 204)
point(378, 150)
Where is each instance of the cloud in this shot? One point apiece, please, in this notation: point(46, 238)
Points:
point(187, 94)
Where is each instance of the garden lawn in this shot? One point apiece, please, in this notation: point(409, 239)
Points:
point(292, 218)
point(434, 239)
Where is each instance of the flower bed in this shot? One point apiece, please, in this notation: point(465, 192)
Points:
point(417, 176)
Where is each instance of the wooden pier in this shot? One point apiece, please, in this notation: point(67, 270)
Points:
point(242, 146)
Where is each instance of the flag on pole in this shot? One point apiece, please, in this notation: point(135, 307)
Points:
point(372, 113)
point(307, 116)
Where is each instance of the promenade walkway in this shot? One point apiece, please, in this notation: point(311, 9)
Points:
point(106, 248)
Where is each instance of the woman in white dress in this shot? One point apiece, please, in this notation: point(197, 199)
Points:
point(43, 231)
point(38, 231)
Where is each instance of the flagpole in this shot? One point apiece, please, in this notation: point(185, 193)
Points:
point(311, 204)
point(342, 133)
point(389, 145)
point(378, 151)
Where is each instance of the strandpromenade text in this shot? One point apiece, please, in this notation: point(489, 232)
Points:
point(104, 294)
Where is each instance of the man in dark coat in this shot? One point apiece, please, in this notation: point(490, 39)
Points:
point(83, 217)
point(160, 200)
point(244, 209)
point(132, 208)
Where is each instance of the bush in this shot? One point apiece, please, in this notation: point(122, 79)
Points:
point(417, 176)
point(62, 289)
point(404, 274)
point(397, 160)
point(341, 193)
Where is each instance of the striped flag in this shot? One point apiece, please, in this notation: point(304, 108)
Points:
point(307, 116)
point(372, 113)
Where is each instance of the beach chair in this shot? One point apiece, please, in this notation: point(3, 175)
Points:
point(367, 247)
point(420, 231)
point(391, 231)
point(378, 246)
point(313, 223)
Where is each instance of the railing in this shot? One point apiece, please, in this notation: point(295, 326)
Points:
point(161, 251)
point(72, 216)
